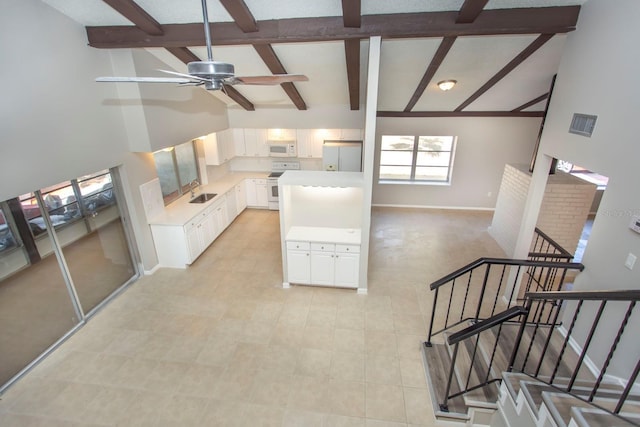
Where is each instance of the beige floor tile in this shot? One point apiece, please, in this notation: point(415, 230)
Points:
point(346, 398)
point(271, 389)
point(417, 404)
point(166, 376)
point(350, 318)
point(381, 343)
point(309, 394)
point(200, 380)
point(378, 423)
point(301, 418)
point(348, 340)
point(413, 373)
point(320, 338)
point(322, 316)
point(263, 415)
point(220, 413)
point(385, 402)
point(313, 363)
point(109, 406)
point(332, 420)
point(279, 359)
point(383, 370)
point(347, 367)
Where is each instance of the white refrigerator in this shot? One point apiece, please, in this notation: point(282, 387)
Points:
point(342, 156)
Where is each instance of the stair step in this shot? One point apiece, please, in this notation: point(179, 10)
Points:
point(562, 405)
point(437, 362)
point(593, 417)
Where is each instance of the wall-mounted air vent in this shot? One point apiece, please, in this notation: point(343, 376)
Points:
point(582, 124)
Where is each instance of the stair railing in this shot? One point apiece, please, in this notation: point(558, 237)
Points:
point(468, 333)
point(479, 286)
point(590, 316)
point(544, 248)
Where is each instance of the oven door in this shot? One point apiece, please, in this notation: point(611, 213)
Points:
point(272, 194)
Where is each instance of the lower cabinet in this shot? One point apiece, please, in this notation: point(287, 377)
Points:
point(256, 192)
point(325, 264)
point(180, 245)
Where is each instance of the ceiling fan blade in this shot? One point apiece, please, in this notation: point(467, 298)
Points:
point(144, 80)
point(188, 76)
point(267, 80)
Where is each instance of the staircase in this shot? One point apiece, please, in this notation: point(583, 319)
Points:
point(524, 360)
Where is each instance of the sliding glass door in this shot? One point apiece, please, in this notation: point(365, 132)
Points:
point(63, 251)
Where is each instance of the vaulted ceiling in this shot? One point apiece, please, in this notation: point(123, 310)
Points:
point(502, 53)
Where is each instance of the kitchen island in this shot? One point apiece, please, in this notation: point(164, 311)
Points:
point(320, 217)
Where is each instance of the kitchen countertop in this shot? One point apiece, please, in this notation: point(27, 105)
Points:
point(346, 236)
point(180, 211)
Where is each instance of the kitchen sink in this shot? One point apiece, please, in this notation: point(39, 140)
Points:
point(204, 197)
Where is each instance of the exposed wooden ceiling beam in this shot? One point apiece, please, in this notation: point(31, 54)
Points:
point(270, 58)
point(241, 14)
point(183, 54)
point(233, 93)
point(134, 13)
point(430, 24)
point(186, 56)
point(531, 103)
point(460, 113)
point(352, 54)
point(535, 45)
point(437, 59)
point(351, 14)
point(470, 10)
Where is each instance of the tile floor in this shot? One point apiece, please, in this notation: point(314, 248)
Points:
point(223, 344)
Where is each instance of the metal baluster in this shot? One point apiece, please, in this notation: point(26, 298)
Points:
point(493, 352)
point(495, 301)
point(538, 313)
point(612, 350)
point(473, 357)
point(484, 287)
point(446, 319)
point(516, 346)
point(566, 341)
point(627, 389)
point(433, 316)
point(548, 340)
point(466, 294)
point(594, 325)
point(443, 406)
point(513, 287)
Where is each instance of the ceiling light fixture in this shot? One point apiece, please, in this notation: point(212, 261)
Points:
point(447, 84)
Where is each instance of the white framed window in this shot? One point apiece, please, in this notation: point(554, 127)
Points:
point(416, 159)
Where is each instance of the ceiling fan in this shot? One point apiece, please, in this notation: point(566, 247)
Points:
point(212, 74)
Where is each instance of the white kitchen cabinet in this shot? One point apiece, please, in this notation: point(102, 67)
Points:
point(241, 197)
point(307, 145)
point(239, 146)
point(220, 217)
point(256, 191)
point(324, 264)
point(218, 147)
point(299, 262)
point(281, 134)
point(347, 266)
point(351, 134)
point(255, 141)
point(232, 205)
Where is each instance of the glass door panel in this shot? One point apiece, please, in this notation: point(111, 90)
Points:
point(99, 259)
point(35, 306)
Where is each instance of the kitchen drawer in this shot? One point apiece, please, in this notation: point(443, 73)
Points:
point(298, 245)
point(323, 247)
point(348, 248)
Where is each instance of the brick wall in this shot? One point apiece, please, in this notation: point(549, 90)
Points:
point(565, 207)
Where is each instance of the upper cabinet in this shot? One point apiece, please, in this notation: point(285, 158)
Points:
point(219, 147)
point(309, 141)
point(255, 143)
point(281, 134)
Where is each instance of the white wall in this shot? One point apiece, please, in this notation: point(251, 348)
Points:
point(483, 148)
point(602, 50)
point(54, 124)
point(57, 123)
point(315, 117)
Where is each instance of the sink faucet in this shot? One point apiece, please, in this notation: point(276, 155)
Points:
point(191, 187)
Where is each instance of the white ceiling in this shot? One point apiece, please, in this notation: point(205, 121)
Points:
point(471, 61)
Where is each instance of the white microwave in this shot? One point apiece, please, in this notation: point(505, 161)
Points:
point(282, 149)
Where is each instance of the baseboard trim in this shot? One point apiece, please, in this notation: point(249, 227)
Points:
point(153, 270)
point(453, 208)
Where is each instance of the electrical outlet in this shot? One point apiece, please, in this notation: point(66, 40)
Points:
point(631, 260)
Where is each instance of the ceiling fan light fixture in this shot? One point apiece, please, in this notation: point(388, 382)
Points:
point(446, 85)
